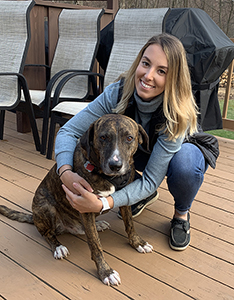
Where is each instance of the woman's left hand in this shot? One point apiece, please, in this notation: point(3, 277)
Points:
point(84, 201)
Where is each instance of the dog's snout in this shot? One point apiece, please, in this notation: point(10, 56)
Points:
point(115, 165)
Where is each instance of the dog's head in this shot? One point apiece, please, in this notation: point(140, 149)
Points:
point(111, 142)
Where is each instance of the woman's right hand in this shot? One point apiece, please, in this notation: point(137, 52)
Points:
point(68, 178)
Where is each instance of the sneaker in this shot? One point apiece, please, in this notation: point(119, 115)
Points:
point(180, 234)
point(141, 205)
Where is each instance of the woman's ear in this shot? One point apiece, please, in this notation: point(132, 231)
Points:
point(143, 138)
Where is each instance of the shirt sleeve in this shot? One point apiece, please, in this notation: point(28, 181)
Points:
point(153, 175)
point(68, 135)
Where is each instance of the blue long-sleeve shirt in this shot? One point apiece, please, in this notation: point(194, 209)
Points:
point(156, 168)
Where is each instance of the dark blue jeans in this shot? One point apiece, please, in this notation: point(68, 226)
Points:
point(185, 175)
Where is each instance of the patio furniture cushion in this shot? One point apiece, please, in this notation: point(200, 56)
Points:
point(70, 107)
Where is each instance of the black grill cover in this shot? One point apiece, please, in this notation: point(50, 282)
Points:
point(209, 53)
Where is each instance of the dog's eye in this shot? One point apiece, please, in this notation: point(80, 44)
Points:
point(129, 138)
point(103, 138)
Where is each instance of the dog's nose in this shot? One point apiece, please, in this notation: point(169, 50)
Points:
point(115, 165)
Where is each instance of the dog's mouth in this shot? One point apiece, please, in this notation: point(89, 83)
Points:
point(114, 169)
point(118, 179)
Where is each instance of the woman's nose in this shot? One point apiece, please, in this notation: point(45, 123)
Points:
point(149, 74)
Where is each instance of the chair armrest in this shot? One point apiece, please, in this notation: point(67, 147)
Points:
point(54, 80)
point(71, 75)
point(22, 81)
point(11, 73)
point(20, 76)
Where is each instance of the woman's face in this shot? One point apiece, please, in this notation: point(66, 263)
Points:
point(151, 73)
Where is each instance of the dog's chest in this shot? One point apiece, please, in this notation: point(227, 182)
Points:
point(107, 192)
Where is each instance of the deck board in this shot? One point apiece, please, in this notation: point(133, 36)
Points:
point(24, 283)
point(204, 271)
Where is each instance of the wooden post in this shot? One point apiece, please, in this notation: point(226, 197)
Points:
point(228, 124)
point(228, 89)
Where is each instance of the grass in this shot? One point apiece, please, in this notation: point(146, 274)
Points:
point(230, 115)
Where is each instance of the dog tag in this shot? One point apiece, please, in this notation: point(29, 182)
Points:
point(88, 166)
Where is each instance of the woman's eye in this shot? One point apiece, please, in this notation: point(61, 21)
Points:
point(129, 138)
point(162, 72)
point(145, 63)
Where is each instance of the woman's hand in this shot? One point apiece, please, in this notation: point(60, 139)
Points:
point(82, 200)
point(68, 178)
point(79, 193)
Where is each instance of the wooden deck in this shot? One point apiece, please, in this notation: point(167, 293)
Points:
point(204, 271)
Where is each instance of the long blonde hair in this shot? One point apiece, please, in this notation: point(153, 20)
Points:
point(179, 106)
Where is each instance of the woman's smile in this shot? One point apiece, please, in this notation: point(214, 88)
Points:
point(145, 85)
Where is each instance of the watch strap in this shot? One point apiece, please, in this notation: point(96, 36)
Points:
point(105, 204)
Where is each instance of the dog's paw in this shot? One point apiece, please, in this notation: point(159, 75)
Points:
point(112, 279)
point(61, 252)
point(102, 225)
point(147, 248)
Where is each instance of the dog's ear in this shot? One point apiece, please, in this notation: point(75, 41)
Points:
point(86, 140)
point(143, 138)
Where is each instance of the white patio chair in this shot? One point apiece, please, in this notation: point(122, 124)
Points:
point(14, 42)
point(76, 50)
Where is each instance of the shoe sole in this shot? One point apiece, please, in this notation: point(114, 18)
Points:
point(143, 207)
point(178, 248)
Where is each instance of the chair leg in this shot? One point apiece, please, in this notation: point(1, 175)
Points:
point(2, 118)
point(51, 135)
point(45, 125)
point(34, 126)
point(32, 119)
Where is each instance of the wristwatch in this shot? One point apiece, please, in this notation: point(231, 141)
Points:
point(105, 205)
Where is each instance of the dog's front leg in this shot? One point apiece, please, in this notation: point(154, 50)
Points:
point(134, 239)
point(106, 274)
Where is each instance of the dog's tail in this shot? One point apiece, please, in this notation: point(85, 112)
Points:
point(16, 215)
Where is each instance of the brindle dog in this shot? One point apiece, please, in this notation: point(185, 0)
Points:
point(104, 157)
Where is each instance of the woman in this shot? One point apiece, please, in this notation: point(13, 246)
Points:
point(156, 92)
